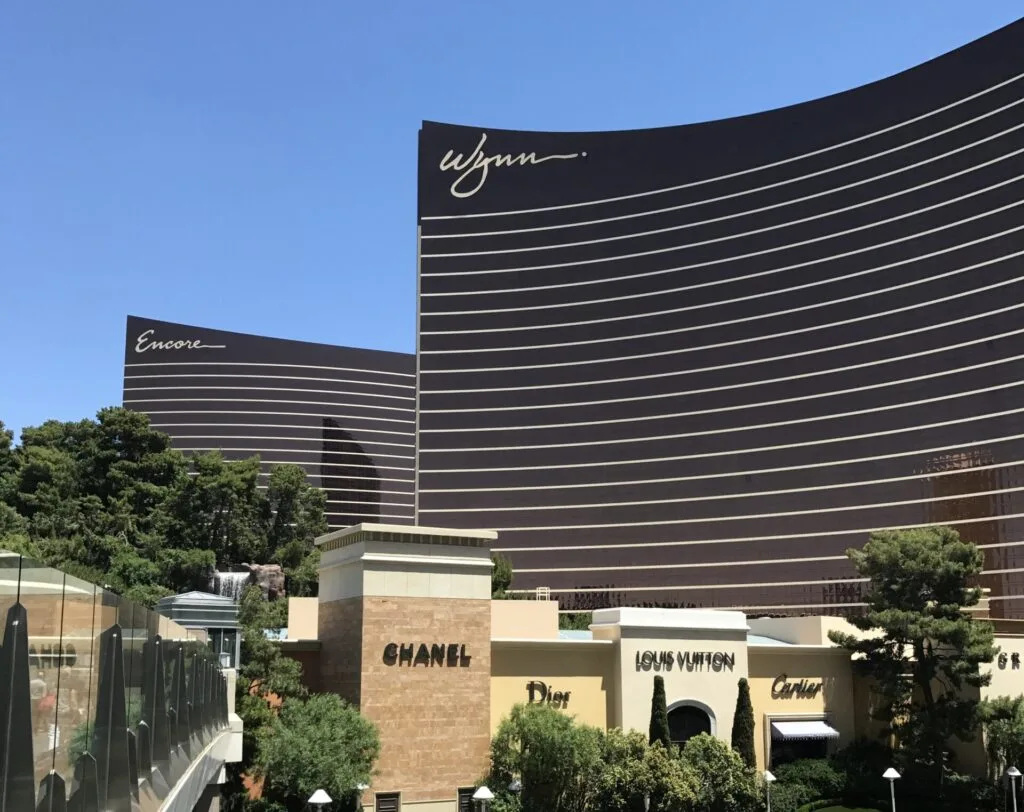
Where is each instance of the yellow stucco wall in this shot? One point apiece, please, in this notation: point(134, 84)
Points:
point(584, 670)
point(834, 702)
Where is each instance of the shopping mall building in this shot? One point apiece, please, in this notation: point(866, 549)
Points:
point(405, 628)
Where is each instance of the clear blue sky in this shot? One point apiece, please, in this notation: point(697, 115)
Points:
point(251, 166)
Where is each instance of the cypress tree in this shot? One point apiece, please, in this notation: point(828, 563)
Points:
point(659, 714)
point(743, 726)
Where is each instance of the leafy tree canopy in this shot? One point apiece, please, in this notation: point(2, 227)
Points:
point(320, 742)
point(109, 500)
point(920, 644)
point(557, 760)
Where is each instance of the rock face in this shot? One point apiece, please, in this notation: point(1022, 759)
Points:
point(269, 578)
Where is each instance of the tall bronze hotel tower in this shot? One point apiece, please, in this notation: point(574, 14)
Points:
point(686, 366)
point(693, 365)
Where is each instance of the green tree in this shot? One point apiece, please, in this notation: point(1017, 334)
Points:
point(1004, 729)
point(658, 731)
point(557, 760)
point(578, 621)
point(743, 725)
point(501, 576)
point(722, 781)
point(220, 508)
point(633, 770)
point(264, 674)
point(314, 743)
point(920, 643)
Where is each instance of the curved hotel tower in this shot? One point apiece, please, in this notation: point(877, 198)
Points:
point(693, 365)
point(345, 415)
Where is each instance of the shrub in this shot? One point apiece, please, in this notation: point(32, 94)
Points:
point(723, 782)
point(862, 762)
point(743, 726)
point(790, 797)
point(818, 775)
point(659, 715)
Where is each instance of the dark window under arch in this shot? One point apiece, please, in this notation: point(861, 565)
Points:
point(687, 721)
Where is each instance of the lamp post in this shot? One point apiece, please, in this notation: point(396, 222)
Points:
point(768, 779)
point(647, 802)
point(515, 786)
point(891, 776)
point(319, 799)
point(483, 797)
point(1013, 774)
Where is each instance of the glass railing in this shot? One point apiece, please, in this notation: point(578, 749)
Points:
point(104, 704)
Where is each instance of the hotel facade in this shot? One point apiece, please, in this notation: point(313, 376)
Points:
point(682, 367)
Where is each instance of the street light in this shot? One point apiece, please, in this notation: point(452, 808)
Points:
point(768, 779)
point(891, 776)
point(647, 803)
point(319, 799)
point(483, 797)
point(515, 786)
point(1013, 774)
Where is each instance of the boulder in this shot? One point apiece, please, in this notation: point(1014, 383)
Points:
point(269, 578)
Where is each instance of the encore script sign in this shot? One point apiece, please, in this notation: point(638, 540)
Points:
point(145, 342)
point(474, 168)
point(685, 660)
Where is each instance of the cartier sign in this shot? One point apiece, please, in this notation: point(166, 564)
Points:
point(782, 688)
point(442, 655)
point(685, 660)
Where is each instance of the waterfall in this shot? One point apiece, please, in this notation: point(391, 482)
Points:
point(230, 584)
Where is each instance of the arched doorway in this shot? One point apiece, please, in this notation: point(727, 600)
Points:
point(689, 719)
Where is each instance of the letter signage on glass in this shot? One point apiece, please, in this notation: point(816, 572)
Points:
point(714, 661)
point(782, 688)
point(479, 163)
point(146, 342)
point(428, 655)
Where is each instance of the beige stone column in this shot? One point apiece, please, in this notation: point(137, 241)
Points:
point(405, 631)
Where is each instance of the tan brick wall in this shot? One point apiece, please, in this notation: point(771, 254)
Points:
point(341, 628)
point(434, 721)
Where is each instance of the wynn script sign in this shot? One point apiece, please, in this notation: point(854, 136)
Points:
point(473, 169)
point(146, 342)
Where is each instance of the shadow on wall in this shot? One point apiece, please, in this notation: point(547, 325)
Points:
point(349, 477)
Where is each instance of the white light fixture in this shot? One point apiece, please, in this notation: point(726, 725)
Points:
point(483, 796)
point(319, 799)
point(515, 786)
point(1013, 774)
point(361, 788)
point(891, 776)
point(768, 779)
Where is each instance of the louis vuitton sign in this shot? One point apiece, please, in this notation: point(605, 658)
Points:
point(685, 660)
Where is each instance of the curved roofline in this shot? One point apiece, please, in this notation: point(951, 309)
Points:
point(863, 88)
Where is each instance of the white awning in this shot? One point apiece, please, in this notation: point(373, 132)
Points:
point(792, 731)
